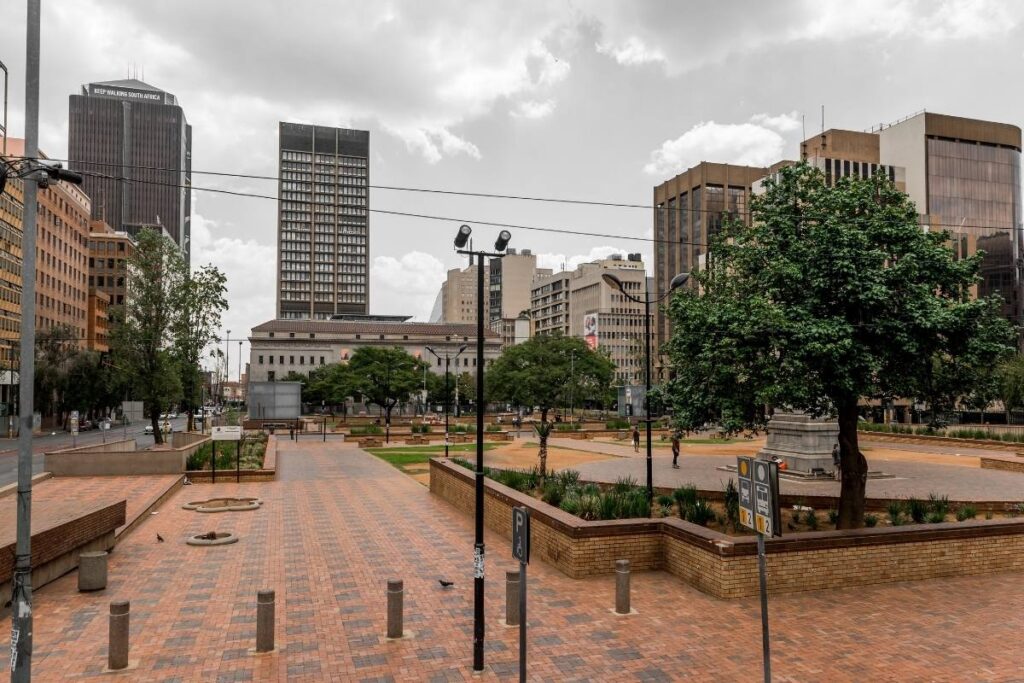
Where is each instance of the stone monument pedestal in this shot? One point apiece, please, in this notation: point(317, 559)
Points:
point(803, 442)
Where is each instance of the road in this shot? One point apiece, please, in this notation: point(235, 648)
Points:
point(52, 442)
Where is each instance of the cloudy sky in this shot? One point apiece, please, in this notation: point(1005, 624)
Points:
point(584, 100)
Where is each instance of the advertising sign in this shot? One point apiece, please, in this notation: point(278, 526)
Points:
point(590, 329)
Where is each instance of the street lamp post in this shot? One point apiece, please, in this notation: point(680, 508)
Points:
point(461, 241)
point(239, 392)
point(678, 281)
point(227, 365)
point(447, 390)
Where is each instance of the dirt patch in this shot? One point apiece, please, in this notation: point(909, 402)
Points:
point(521, 456)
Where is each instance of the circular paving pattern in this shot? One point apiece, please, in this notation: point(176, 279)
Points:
point(224, 504)
point(213, 538)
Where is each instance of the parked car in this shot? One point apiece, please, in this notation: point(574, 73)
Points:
point(165, 428)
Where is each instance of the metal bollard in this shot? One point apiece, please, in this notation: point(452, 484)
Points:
point(622, 586)
point(512, 598)
point(265, 621)
point(395, 599)
point(117, 647)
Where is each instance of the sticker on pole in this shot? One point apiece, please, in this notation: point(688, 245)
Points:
point(521, 534)
point(746, 485)
point(74, 422)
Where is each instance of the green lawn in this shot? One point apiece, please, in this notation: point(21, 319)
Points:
point(404, 456)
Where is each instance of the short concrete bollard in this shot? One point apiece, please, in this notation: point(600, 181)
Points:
point(512, 598)
point(265, 621)
point(117, 647)
point(622, 586)
point(92, 571)
point(395, 600)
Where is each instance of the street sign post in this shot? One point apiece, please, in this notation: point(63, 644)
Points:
point(759, 510)
point(226, 433)
point(74, 427)
point(521, 551)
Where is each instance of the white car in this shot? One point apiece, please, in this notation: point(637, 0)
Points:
point(165, 428)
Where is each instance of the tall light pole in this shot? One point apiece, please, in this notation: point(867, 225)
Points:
point(227, 363)
point(461, 240)
point(448, 358)
point(678, 281)
point(239, 393)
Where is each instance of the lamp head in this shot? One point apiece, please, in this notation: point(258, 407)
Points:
point(503, 239)
point(462, 348)
point(612, 280)
point(462, 236)
point(678, 281)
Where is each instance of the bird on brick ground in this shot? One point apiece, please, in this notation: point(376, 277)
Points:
point(446, 584)
point(159, 538)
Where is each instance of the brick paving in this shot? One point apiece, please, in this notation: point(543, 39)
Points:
point(910, 478)
point(338, 522)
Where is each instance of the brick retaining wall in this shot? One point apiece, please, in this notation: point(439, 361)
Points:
point(726, 566)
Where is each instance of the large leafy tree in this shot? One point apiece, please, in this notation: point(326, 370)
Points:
point(142, 339)
point(197, 306)
point(832, 294)
point(56, 349)
point(540, 372)
point(385, 376)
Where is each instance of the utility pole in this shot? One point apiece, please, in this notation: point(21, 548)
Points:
point(21, 595)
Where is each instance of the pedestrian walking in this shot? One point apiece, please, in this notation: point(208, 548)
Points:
point(675, 450)
point(636, 439)
point(836, 462)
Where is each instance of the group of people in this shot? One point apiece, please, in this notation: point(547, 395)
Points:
point(675, 445)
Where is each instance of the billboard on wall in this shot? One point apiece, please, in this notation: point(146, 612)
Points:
point(590, 329)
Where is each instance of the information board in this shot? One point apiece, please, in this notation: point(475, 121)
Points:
point(759, 495)
point(227, 434)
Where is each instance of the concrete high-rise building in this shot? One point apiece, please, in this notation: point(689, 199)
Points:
point(12, 210)
point(109, 251)
point(690, 208)
point(458, 296)
point(510, 282)
point(134, 146)
point(323, 228)
point(580, 303)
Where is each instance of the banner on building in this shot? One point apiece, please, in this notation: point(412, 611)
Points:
point(590, 329)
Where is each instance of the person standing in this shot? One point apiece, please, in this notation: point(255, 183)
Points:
point(675, 450)
point(636, 439)
point(836, 460)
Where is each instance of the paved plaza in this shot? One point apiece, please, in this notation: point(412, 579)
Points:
point(337, 523)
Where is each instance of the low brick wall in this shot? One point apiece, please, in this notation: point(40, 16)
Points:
point(726, 566)
point(993, 444)
point(120, 458)
point(267, 473)
point(1001, 464)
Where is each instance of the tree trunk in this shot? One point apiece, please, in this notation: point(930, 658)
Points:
point(154, 418)
point(853, 468)
point(542, 434)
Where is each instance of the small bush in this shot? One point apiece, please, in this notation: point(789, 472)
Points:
point(568, 426)
point(988, 514)
point(462, 462)
point(811, 520)
point(938, 504)
point(592, 490)
point(895, 509)
point(459, 429)
point(934, 517)
point(664, 501)
point(571, 504)
point(833, 517)
point(686, 498)
point(609, 505)
point(568, 479)
point(590, 507)
point(917, 509)
point(493, 427)
point(552, 494)
point(617, 423)
point(966, 512)
point(732, 505)
point(366, 430)
point(870, 520)
point(624, 484)
point(701, 513)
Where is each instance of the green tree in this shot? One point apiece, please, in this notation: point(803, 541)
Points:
point(56, 348)
point(831, 295)
point(539, 373)
point(197, 306)
point(331, 384)
point(385, 376)
point(142, 342)
point(1010, 377)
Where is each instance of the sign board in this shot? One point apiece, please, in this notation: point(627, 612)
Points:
point(227, 434)
point(590, 330)
point(759, 495)
point(521, 534)
point(74, 421)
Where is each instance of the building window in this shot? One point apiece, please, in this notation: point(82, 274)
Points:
point(312, 336)
point(270, 376)
point(311, 360)
point(291, 360)
point(292, 335)
point(321, 360)
point(271, 334)
point(271, 360)
point(280, 360)
point(302, 360)
point(261, 360)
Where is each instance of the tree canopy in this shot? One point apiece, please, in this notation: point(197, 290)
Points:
point(831, 294)
point(385, 376)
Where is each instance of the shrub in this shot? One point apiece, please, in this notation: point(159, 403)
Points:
point(421, 429)
point(664, 501)
point(833, 517)
point(610, 505)
point(811, 520)
point(365, 430)
point(617, 423)
point(493, 427)
point(934, 517)
point(568, 426)
point(732, 504)
point(988, 514)
point(701, 513)
point(567, 479)
point(592, 490)
point(552, 494)
point(624, 484)
point(870, 520)
point(589, 507)
point(459, 429)
point(938, 504)
point(686, 498)
point(966, 512)
point(917, 509)
point(895, 509)
point(462, 462)
point(571, 504)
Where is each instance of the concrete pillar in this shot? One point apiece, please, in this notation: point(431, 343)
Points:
point(92, 571)
point(512, 598)
point(264, 621)
point(395, 599)
point(622, 586)
point(117, 648)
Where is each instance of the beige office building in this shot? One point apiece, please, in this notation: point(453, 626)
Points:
point(511, 279)
point(458, 296)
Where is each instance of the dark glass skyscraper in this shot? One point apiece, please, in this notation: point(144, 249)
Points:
point(134, 145)
point(323, 239)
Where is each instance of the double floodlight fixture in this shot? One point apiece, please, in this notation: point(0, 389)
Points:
point(462, 238)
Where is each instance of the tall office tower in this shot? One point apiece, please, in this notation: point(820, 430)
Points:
point(323, 236)
point(136, 135)
point(458, 296)
point(510, 281)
